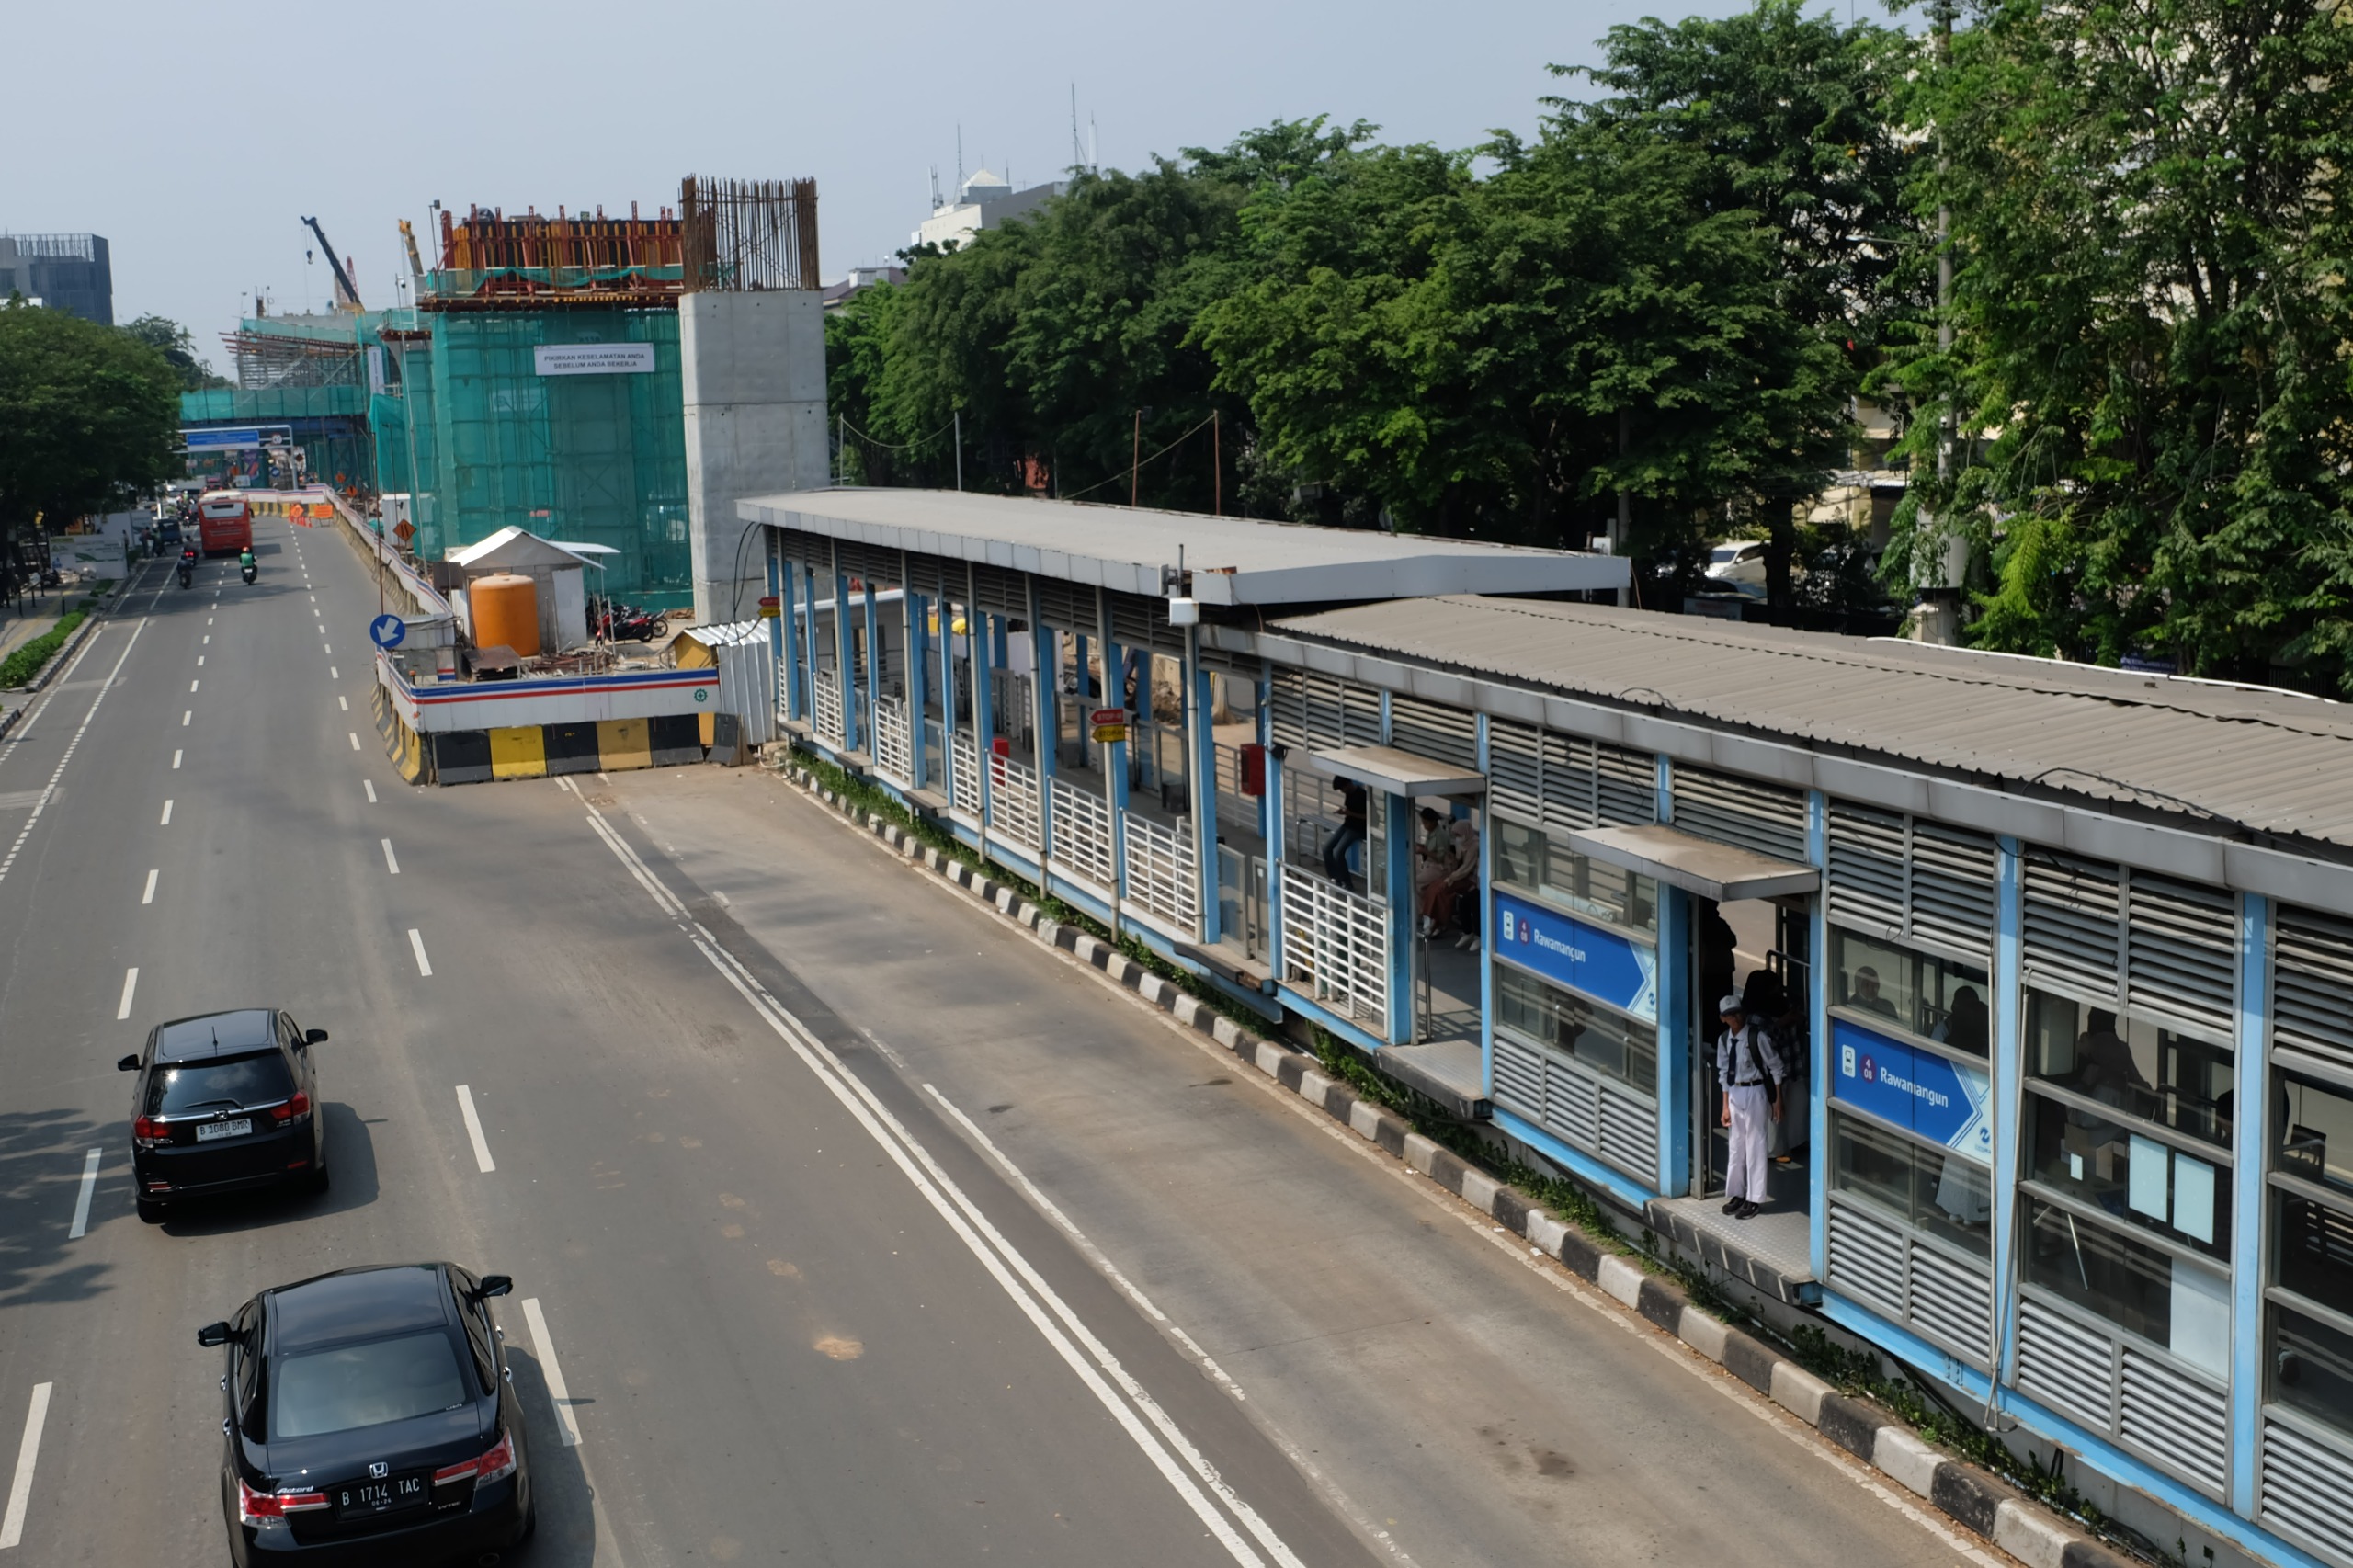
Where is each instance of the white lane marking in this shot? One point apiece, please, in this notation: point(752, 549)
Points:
point(343, 702)
point(81, 1201)
point(208, 620)
point(544, 1347)
point(1021, 1283)
point(130, 989)
point(391, 862)
point(355, 739)
point(175, 761)
point(167, 815)
point(326, 648)
point(314, 598)
point(20, 1490)
point(185, 717)
point(333, 673)
point(416, 946)
point(200, 661)
point(149, 896)
point(191, 686)
point(474, 1129)
point(48, 790)
point(207, 636)
point(314, 612)
point(369, 784)
point(725, 901)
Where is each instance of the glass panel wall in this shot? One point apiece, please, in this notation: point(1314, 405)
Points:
point(1937, 999)
point(1600, 1038)
point(1528, 861)
point(2309, 1310)
point(1938, 1192)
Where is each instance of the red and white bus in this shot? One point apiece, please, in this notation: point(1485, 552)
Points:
point(225, 520)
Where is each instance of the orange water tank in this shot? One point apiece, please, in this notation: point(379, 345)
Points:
point(506, 612)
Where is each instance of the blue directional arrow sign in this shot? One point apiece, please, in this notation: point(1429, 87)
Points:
point(387, 631)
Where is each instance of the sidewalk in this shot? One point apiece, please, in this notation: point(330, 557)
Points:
point(1467, 1402)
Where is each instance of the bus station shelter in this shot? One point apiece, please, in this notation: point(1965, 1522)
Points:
point(2061, 957)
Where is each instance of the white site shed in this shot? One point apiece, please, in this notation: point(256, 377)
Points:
point(554, 567)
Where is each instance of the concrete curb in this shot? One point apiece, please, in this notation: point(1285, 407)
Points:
point(1975, 1499)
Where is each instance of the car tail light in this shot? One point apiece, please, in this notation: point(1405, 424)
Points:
point(495, 1465)
point(300, 1106)
point(255, 1506)
point(147, 1132)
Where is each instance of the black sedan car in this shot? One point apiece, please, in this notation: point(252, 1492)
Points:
point(370, 1418)
point(224, 1101)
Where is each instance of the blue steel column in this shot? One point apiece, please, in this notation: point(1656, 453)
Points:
point(2250, 1149)
point(780, 642)
point(845, 665)
point(1115, 754)
point(947, 699)
point(1271, 817)
point(808, 696)
point(1818, 1012)
point(1201, 788)
point(870, 710)
point(1398, 842)
point(981, 635)
point(1675, 1058)
point(915, 611)
point(2009, 1099)
point(1486, 923)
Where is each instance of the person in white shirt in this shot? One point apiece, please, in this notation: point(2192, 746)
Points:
point(1751, 1071)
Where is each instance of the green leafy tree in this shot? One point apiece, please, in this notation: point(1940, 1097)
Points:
point(2151, 205)
point(89, 421)
point(170, 339)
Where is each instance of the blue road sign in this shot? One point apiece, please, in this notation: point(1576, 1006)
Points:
point(387, 631)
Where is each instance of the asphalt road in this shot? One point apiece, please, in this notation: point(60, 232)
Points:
point(799, 1314)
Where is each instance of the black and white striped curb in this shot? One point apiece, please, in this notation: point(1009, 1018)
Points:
point(1972, 1497)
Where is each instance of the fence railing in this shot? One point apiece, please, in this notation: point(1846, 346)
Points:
point(964, 775)
point(893, 756)
point(828, 684)
point(1082, 834)
point(1014, 807)
point(1242, 898)
point(1335, 946)
point(1161, 874)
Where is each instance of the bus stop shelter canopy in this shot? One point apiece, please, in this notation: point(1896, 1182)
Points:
point(1723, 872)
point(1398, 772)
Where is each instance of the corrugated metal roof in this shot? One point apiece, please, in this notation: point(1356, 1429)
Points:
point(2270, 760)
point(1233, 561)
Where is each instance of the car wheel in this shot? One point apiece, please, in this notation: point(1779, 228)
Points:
point(150, 1211)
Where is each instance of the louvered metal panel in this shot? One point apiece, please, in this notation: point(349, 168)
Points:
point(1140, 622)
point(2176, 1419)
point(1360, 715)
point(2182, 954)
point(1515, 769)
point(1868, 880)
point(1762, 817)
point(2065, 1365)
point(2071, 911)
point(2306, 1490)
point(1950, 1300)
point(1628, 1133)
point(1625, 787)
point(1001, 592)
point(1519, 1079)
point(1867, 1258)
point(1434, 730)
point(1287, 708)
point(1952, 890)
point(1067, 607)
point(1568, 783)
point(2311, 979)
point(1572, 1105)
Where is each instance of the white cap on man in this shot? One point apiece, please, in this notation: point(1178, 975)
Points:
point(1730, 1008)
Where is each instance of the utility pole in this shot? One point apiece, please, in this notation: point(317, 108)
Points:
point(960, 449)
point(1217, 464)
point(1135, 461)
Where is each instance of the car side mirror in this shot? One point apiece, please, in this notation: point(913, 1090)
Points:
point(129, 1063)
point(212, 1334)
point(493, 1285)
point(314, 1037)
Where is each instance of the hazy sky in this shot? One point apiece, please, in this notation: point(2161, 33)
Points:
point(196, 135)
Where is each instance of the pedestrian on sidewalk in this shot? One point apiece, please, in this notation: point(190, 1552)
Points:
point(1348, 834)
point(1750, 1069)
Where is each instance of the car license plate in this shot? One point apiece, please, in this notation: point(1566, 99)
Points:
point(206, 1132)
point(380, 1496)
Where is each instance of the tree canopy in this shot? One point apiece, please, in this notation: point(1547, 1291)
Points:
point(170, 339)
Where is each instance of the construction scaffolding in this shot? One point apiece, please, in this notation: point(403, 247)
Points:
point(491, 262)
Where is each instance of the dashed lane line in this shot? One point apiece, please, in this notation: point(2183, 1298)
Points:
point(167, 815)
point(149, 896)
point(130, 989)
point(369, 784)
point(553, 1374)
point(82, 1199)
point(20, 1490)
point(416, 946)
point(474, 1129)
point(392, 861)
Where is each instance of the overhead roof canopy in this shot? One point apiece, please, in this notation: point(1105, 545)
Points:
point(1399, 772)
point(1233, 561)
point(1720, 872)
point(2253, 757)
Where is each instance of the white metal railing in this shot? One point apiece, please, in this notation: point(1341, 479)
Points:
point(1013, 800)
point(964, 774)
point(1082, 834)
point(1161, 874)
point(893, 754)
point(1336, 946)
point(829, 706)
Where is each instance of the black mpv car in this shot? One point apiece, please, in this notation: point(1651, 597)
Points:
point(370, 1418)
point(224, 1101)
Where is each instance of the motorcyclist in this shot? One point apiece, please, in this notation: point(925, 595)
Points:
point(246, 564)
point(188, 565)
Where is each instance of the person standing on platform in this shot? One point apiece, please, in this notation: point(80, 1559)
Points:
point(1751, 1071)
point(1348, 834)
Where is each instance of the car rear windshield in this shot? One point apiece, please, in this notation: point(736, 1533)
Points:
point(217, 1085)
point(365, 1385)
